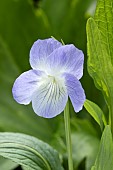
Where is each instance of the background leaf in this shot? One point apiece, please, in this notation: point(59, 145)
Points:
point(29, 151)
point(18, 30)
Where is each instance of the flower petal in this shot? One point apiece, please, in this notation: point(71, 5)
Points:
point(25, 85)
point(66, 58)
point(40, 50)
point(50, 100)
point(75, 91)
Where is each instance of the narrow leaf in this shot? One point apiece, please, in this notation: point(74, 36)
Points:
point(29, 151)
point(104, 159)
point(96, 112)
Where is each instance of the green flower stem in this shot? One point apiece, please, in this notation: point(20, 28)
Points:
point(68, 136)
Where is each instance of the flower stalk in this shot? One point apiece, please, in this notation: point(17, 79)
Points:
point(68, 136)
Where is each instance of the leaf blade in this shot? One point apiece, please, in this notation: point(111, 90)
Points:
point(99, 63)
point(105, 155)
point(104, 20)
point(95, 112)
point(29, 151)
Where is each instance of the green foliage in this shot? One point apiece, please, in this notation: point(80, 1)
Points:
point(99, 62)
point(18, 31)
point(100, 67)
point(104, 20)
point(20, 25)
point(29, 151)
point(96, 113)
point(104, 160)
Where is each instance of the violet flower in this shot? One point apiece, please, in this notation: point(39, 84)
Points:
point(56, 70)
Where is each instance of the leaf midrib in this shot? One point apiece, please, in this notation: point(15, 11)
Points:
point(29, 149)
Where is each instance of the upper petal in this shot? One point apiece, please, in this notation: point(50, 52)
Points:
point(50, 99)
point(66, 58)
point(25, 85)
point(40, 50)
point(75, 91)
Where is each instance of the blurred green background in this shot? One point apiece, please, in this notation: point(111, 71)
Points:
point(21, 23)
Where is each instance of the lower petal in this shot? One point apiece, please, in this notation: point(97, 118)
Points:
point(25, 85)
point(49, 100)
point(75, 91)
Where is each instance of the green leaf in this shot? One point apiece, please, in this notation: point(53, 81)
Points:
point(100, 51)
point(99, 62)
point(29, 151)
point(6, 164)
point(104, 160)
point(104, 20)
point(95, 112)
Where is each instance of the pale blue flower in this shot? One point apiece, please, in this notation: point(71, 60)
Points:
point(56, 70)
